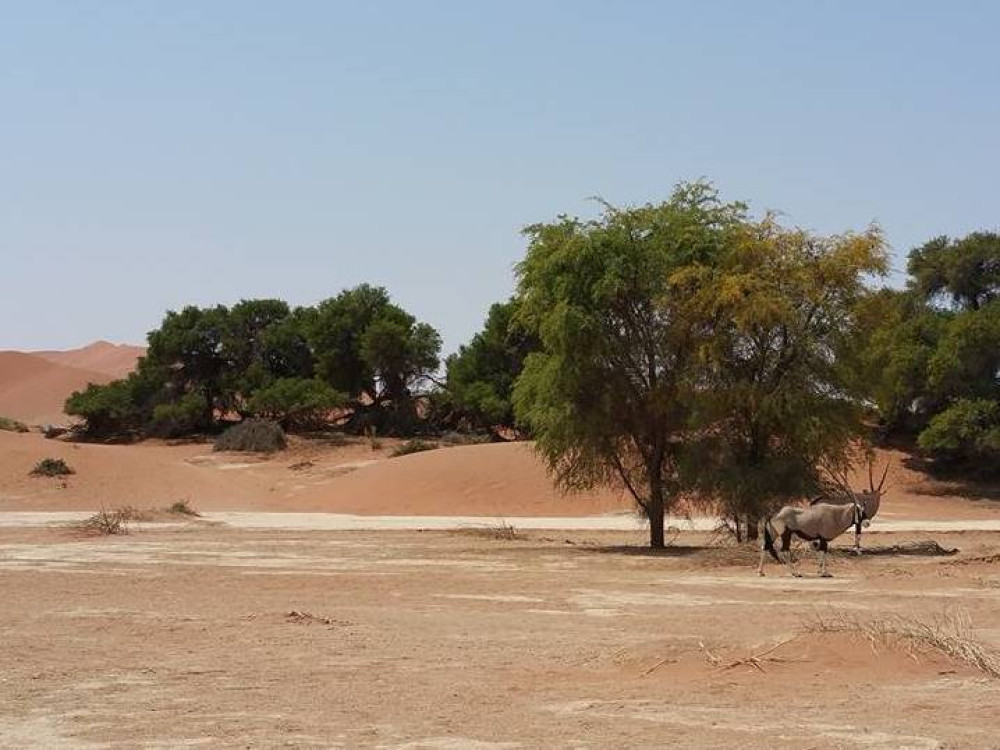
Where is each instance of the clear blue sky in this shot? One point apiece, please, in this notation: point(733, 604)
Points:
point(155, 154)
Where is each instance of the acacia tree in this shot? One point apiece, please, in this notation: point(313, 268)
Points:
point(375, 352)
point(778, 398)
point(609, 395)
point(481, 375)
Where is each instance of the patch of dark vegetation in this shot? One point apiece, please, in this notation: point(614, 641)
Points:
point(12, 425)
point(256, 435)
point(413, 446)
point(51, 467)
point(925, 548)
point(183, 508)
point(297, 617)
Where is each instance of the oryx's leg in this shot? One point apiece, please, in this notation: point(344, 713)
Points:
point(857, 540)
point(821, 549)
point(786, 547)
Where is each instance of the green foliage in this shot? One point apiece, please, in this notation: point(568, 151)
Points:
point(412, 446)
point(609, 396)
point(376, 353)
point(295, 403)
point(481, 376)
point(177, 418)
point(112, 410)
point(965, 272)
point(688, 350)
point(260, 357)
point(12, 425)
point(934, 371)
point(257, 435)
point(779, 320)
point(967, 432)
point(51, 467)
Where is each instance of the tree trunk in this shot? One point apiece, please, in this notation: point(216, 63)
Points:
point(655, 513)
point(752, 524)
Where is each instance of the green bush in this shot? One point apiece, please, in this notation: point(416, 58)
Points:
point(967, 431)
point(258, 435)
point(179, 418)
point(12, 425)
point(51, 467)
point(295, 403)
point(112, 410)
point(413, 446)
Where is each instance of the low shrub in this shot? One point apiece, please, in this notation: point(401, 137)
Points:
point(51, 467)
point(413, 446)
point(12, 425)
point(108, 522)
point(183, 508)
point(258, 435)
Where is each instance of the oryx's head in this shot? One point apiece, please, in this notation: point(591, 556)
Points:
point(871, 498)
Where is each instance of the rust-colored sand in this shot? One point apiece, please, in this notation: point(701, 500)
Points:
point(116, 360)
point(34, 390)
point(347, 476)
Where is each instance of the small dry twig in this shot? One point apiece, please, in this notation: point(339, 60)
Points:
point(755, 660)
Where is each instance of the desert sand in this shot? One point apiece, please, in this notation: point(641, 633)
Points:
point(34, 386)
point(198, 635)
point(344, 475)
point(116, 360)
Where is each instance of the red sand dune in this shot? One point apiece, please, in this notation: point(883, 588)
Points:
point(34, 389)
point(496, 480)
point(116, 360)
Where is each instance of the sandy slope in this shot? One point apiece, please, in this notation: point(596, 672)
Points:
point(116, 360)
point(499, 480)
point(34, 389)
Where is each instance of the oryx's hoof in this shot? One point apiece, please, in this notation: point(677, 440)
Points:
point(760, 573)
point(857, 551)
point(796, 574)
point(826, 575)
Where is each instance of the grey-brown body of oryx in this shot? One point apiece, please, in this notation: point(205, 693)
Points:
point(869, 499)
point(820, 524)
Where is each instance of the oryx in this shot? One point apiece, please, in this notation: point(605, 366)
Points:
point(842, 494)
point(820, 523)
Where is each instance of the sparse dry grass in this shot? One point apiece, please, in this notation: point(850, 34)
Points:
point(949, 634)
point(108, 522)
point(416, 445)
point(12, 425)
point(183, 508)
point(755, 659)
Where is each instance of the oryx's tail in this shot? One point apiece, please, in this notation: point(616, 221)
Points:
point(768, 539)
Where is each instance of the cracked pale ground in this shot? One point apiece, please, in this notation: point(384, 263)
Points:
point(206, 636)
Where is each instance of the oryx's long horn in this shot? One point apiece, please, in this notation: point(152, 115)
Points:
point(884, 475)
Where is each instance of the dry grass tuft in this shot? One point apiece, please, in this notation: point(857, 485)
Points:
point(949, 634)
point(504, 530)
point(416, 445)
point(12, 425)
point(297, 617)
point(183, 508)
point(108, 522)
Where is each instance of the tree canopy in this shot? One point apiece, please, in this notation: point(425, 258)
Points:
point(356, 351)
point(689, 351)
